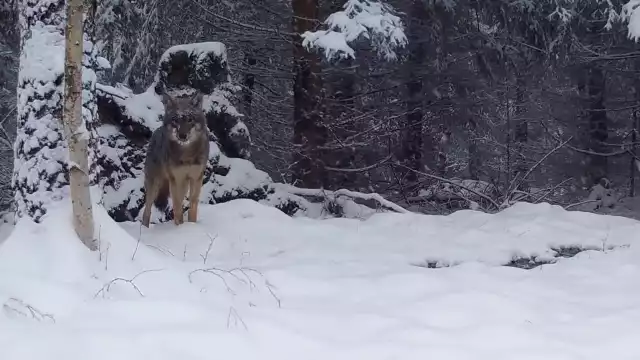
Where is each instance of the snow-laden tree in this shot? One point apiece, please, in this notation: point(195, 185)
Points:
point(369, 21)
point(41, 163)
point(129, 35)
point(372, 20)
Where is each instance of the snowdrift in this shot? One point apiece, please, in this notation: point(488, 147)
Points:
point(249, 282)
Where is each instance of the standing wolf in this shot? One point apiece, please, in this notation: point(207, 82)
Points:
point(176, 158)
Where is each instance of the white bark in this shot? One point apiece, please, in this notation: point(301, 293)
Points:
point(74, 127)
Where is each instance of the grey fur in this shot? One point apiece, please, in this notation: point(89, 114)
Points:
point(176, 157)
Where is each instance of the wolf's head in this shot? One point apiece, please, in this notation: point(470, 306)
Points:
point(184, 118)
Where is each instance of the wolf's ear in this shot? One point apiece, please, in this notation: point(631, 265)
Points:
point(196, 99)
point(168, 100)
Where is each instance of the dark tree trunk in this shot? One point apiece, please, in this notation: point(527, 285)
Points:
point(342, 154)
point(520, 133)
point(633, 162)
point(474, 155)
point(249, 82)
point(309, 134)
point(634, 151)
point(597, 167)
point(412, 139)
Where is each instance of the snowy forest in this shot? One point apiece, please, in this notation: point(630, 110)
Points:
point(435, 105)
point(368, 179)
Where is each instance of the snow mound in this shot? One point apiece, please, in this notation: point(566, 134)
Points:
point(145, 109)
point(197, 49)
point(246, 282)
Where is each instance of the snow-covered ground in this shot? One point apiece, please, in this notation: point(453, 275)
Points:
point(248, 282)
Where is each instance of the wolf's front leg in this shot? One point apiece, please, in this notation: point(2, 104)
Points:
point(178, 191)
point(194, 198)
point(150, 193)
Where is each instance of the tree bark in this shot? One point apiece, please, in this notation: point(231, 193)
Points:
point(634, 151)
point(597, 168)
point(309, 133)
point(520, 132)
point(249, 82)
point(634, 133)
point(75, 129)
point(412, 139)
point(474, 155)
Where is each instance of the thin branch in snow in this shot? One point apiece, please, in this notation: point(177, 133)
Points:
point(241, 274)
point(490, 200)
point(107, 287)
point(13, 305)
point(362, 169)
point(137, 243)
point(236, 317)
point(206, 254)
point(514, 184)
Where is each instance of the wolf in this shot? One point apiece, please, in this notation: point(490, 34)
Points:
point(176, 158)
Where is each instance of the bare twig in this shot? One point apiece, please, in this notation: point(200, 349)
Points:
point(106, 257)
point(551, 190)
point(161, 249)
point(206, 254)
point(236, 317)
point(12, 305)
point(107, 287)
point(511, 188)
point(490, 200)
point(242, 278)
point(362, 169)
point(137, 243)
point(580, 203)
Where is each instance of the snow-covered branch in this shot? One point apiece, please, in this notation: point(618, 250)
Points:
point(367, 19)
point(377, 199)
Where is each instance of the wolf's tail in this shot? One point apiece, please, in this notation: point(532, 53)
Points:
point(162, 200)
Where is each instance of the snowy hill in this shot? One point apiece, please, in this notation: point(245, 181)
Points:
point(248, 282)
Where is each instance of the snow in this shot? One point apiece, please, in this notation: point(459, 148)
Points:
point(146, 108)
point(41, 65)
point(248, 282)
point(631, 14)
point(368, 19)
point(243, 177)
point(333, 43)
point(219, 101)
point(46, 61)
point(199, 49)
point(103, 63)
point(239, 129)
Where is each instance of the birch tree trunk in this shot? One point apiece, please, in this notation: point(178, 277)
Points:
point(75, 130)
